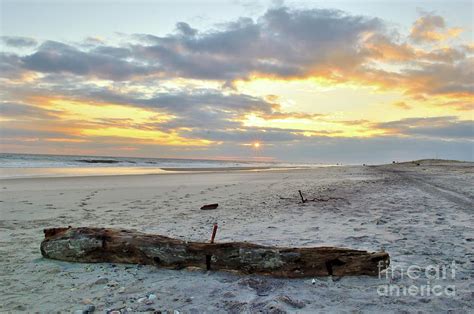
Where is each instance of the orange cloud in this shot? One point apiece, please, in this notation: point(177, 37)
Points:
point(432, 28)
point(86, 120)
point(402, 105)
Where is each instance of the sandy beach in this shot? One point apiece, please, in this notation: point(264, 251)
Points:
point(420, 214)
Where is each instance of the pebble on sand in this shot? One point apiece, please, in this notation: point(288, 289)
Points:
point(87, 310)
point(101, 281)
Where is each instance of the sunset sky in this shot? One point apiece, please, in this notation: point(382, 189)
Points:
point(333, 81)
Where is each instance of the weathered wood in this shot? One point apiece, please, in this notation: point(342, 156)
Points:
point(95, 245)
point(210, 206)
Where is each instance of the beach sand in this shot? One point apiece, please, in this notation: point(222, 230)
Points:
point(420, 214)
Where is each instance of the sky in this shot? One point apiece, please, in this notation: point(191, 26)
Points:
point(326, 82)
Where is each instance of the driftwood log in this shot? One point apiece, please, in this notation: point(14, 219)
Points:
point(96, 245)
point(210, 206)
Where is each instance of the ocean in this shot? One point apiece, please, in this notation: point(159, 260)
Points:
point(29, 165)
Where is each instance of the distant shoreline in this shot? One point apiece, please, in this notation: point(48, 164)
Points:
point(36, 173)
point(112, 159)
point(12, 173)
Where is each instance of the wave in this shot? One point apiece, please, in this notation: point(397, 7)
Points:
point(99, 161)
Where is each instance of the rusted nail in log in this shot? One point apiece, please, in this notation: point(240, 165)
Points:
point(302, 198)
point(214, 231)
point(208, 257)
point(126, 246)
point(210, 206)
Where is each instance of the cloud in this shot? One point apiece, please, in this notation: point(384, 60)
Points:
point(23, 111)
point(247, 135)
point(461, 105)
point(194, 105)
point(214, 115)
point(402, 105)
point(12, 131)
point(431, 28)
point(93, 41)
point(185, 29)
point(455, 79)
point(446, 127)
point(421, 80)
point(282, 43)
point(10, 66)
point(382, 47)
point(19, 42)
point(206, 113)
point(102, 62)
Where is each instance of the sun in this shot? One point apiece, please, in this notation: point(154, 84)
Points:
point(256, 145)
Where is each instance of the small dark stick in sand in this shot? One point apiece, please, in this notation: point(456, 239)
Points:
point(302, 198)
point(214, 231)
point(208, 257)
